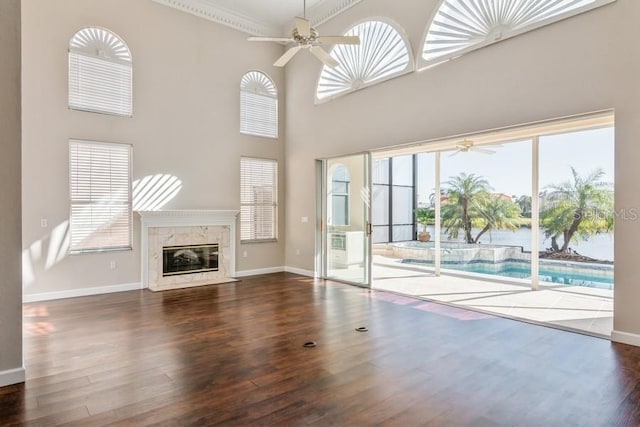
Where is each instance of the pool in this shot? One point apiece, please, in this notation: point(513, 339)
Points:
point(601, 277)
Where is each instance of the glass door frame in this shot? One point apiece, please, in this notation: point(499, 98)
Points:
point(322, 194)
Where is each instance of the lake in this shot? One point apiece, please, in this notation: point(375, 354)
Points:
point(599, 246)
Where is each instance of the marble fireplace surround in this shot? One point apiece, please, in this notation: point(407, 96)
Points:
point(187, 227)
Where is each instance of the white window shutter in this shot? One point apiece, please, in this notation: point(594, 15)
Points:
point(460, 26)
point(258, 199)
point(383, 53)
point(100, 192)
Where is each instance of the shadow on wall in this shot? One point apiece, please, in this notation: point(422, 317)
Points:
point(150, 193)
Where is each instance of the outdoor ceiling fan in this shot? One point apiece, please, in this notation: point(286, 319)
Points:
point(307, 37)
point(465, 146)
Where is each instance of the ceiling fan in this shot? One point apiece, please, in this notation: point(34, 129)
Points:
point(307, 37)
point(465, 146)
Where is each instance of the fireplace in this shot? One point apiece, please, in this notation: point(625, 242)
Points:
point(188, 259)
point(181, 249)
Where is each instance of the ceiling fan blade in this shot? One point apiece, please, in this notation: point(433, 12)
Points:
point(339, 39)
point(303, 26)
point(482, 150)
point(455, 153)
point(282, 61)
point(323, 56)
point(271, 39)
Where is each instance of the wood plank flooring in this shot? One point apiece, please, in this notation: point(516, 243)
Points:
point(232, 354)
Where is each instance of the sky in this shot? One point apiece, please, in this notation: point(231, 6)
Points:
point(509, 169)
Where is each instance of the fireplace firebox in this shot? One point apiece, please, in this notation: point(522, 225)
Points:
point(187, 259)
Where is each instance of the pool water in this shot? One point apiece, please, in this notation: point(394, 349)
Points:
point(546, 274)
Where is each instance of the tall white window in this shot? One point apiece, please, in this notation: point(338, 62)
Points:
point(460, 26)
point(258, 199)
point(100, 192)
point(383, 53)
point(100, 73)
point(258, 105)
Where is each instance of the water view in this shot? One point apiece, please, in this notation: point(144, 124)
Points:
point(486, 204)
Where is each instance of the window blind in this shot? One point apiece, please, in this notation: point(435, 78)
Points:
point(99, 85)
point(100, 183)
point(100, 72)
point(258, 105)
point(258, 199)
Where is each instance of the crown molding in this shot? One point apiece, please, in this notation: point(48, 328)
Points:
point(207, 10)
point(221, 16)
point(327, 10)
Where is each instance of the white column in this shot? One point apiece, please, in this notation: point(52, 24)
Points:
point(535, 212)
point(437, 225)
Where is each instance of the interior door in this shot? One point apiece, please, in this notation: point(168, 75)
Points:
point(346, 219)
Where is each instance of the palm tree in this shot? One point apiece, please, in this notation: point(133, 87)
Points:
point(524, 202)
point(500, 214)
point(425, 216)
point(577, 209)
point(464, 197)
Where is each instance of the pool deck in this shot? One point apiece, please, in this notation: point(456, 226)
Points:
point(576, 308)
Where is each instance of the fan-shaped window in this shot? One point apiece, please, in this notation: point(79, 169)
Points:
point(99, 73)
point(258, 105)
point(383, 53)
point(460, 26)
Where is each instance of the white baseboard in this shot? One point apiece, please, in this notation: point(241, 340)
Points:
point(269, 270)
point(83, 292)
point(625, 338)
point(299, 271)
point(12, 376)
point(258, 271)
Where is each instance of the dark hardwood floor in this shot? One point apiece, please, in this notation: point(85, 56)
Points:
point(233, 354)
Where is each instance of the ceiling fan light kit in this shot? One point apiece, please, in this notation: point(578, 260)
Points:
point(307, 37)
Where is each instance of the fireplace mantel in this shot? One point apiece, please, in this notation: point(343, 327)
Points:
point(187, 218)
point(184, 218)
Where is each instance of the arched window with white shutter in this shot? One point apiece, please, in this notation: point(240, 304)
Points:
point(100, 73)
point(258, 105)
point(383, 53)
point(460, 26)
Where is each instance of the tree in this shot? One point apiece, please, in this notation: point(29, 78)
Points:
point(577, 209)
point(498, 213)
point(464, 196)
point(425, 216)
point(525, 205)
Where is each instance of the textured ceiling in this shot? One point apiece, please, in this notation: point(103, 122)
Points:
point(261, 17)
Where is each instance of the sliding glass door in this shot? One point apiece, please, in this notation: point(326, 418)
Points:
point(346, 219)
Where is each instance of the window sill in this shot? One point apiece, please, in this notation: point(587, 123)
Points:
point(97, 251)
point(245, 242)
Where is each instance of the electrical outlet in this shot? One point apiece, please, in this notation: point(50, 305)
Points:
point(297, 251)
point(44, 223)
point(113, 265)
point(244, 254)
point(304, 219)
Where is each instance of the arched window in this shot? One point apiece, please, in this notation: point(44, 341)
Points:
point(383, 53)
point(460, 26)
point(100, 73)
point(340, 182)
point(258, 105)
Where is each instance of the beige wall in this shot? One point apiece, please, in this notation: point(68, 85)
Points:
point(586, 63)
point(10, 223)
point(186, 77)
